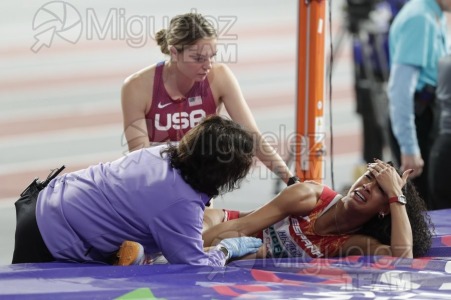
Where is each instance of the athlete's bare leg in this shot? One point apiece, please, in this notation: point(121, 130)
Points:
point(212, 217)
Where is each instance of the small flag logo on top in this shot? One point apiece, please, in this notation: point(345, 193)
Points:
point(193, 101)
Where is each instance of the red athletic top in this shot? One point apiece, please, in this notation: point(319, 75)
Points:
point(170, 120)
point(295, 236)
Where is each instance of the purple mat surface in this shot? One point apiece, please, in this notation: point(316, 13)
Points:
point(355, 277)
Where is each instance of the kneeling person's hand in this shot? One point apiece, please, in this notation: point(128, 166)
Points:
point(240, 246)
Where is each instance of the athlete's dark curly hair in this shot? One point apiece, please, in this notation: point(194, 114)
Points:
point(420, 221)
point(213, 157)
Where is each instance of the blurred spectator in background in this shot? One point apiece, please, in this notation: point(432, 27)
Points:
point(440, 158)
point(417, 40)
point(368, 22)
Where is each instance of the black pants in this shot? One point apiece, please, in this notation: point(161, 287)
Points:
point(29, 246)
point(426, 127)
point(374, 122)
point(439, 168)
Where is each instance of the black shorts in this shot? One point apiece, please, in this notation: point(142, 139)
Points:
point(29, 246)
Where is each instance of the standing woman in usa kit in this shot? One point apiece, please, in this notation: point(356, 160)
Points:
point(162, 102)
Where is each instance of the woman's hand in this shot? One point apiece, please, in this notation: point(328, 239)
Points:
point(388, 179)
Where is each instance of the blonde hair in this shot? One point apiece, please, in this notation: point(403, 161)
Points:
point(184, 30)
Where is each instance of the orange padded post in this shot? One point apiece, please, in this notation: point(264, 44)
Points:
point(310, 126)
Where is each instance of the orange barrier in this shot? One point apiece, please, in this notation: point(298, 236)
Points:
point(310, 126)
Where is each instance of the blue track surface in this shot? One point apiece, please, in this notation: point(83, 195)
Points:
point(353, 277)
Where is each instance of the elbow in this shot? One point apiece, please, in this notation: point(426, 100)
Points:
point(402, 251)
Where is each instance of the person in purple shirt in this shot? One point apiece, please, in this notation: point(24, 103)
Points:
point(154, 196)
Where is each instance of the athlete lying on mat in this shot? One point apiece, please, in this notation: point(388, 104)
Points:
point(310, 219)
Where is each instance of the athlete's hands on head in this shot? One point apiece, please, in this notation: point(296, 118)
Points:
point(388, 178)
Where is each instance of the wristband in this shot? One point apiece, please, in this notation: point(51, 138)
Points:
point(401, 199)
point(225, 251)
point(293, 180)
point(230, 215)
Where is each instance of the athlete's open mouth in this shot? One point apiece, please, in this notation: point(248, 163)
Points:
point(360, 196)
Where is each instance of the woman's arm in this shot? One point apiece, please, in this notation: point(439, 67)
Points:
point(401, 232)
point(365, 245)
point(229, 92)
point(135, 98)
point(391, 183)
point(214, 216)
point(298, 199)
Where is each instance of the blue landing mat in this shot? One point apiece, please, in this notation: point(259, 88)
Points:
point(355, 277)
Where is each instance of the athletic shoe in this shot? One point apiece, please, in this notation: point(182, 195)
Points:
point(130, 253)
